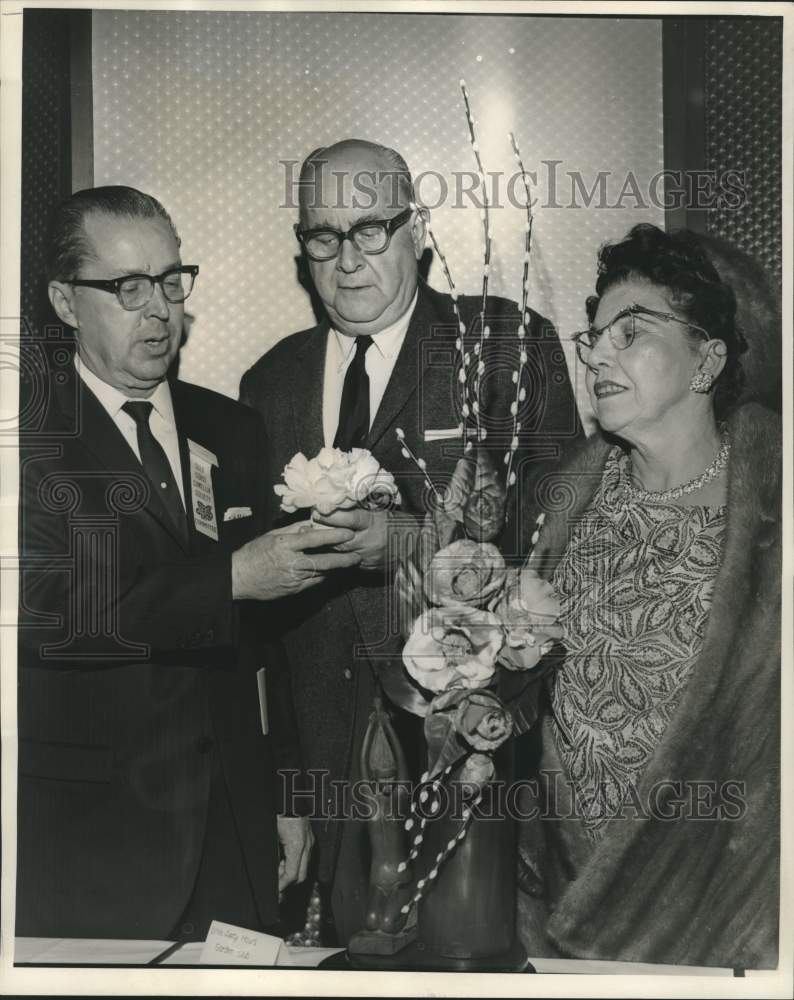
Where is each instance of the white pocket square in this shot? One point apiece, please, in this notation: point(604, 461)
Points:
point(235, 513)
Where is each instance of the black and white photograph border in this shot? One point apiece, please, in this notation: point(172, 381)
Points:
point(218, 133)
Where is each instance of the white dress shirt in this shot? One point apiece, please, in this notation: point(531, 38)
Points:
point(161, 420)
point(380, 360)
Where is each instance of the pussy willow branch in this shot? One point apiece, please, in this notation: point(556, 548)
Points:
point(521, 392)
point(485, 215)
point(424, 885)
point(420, 463)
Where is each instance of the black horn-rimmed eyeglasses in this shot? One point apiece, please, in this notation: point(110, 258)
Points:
point(134, 291)
point(371, 236)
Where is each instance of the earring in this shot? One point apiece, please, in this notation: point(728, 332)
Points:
point(701, 381)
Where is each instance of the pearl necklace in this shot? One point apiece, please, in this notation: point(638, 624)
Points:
point(716, 467)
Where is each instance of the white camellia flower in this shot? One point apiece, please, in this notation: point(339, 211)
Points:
point(371, 484)
point(307, 484)
point(336, 479)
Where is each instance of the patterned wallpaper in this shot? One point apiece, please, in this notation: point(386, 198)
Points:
point(743, 107)
point(203, 108)
point(45, 148)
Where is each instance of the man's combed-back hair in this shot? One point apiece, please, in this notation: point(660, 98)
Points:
point(394, 171)
point(69, 246)
point(678, 263)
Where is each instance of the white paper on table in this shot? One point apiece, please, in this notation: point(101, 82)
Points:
point(87, 951)
point(288, 956)
point(230, 945)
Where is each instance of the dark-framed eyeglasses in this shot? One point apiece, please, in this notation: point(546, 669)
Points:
point(622, 329)
point(134, 291)
point(371, 236)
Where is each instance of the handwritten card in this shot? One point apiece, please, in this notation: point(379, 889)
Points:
point(230, 945)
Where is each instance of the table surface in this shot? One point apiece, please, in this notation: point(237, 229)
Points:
point(92, 951)
point(95, 951)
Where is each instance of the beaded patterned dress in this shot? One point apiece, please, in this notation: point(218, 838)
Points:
point(636, 583)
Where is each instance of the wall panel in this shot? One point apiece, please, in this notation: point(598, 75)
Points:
point(743, 110)
point(202, 109)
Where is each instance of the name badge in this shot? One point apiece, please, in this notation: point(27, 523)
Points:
point(201, 462)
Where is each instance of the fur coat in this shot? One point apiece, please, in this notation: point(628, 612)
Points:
point(687, 890)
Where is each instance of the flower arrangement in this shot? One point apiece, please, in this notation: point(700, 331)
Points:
point(469, 621)
point(336, 479)
point(466, 617)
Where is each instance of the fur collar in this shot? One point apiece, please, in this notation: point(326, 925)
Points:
point(693, 892)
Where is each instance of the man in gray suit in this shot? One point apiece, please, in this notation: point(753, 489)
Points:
point(383, 357)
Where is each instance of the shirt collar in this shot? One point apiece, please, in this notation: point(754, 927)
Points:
point(113, 399)
point(388, 341)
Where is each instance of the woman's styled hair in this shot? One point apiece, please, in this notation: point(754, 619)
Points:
point(758, 317)
point(679, 263)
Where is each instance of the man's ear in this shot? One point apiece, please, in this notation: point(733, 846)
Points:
point(419, 231)
point(62, 299)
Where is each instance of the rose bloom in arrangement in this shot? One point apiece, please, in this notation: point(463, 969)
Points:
point(465, 572)
point(485, 617)
point(478, 717)
point(453, 647)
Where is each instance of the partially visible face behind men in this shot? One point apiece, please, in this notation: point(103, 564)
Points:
point(131, 350)
point(362, 293)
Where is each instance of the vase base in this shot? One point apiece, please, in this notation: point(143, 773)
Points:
point(370, 943)
point(414, 958)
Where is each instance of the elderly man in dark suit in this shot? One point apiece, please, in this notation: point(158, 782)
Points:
point(147, 793)
point(383, 358)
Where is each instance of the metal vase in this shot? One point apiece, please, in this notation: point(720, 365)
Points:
point(469, 913)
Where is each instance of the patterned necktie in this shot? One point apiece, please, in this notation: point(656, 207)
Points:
point(354, 409)
point(157, 467)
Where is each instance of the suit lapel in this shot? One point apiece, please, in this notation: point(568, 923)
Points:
point(412, 371)
point(307, 392)
point(408, 369)
point(309, 377)
point(100, 435)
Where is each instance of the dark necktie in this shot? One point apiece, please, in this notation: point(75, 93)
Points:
point(156, 466)
point(354, 408)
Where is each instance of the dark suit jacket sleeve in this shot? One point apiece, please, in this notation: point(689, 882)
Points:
point(266, 473)
point(550, 431)
point(247, 394)
point(177, 612)
point(285, 745)
point(550, 427)
point(263, 619)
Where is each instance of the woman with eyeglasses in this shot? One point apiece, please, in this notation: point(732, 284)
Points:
point(655, 837)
